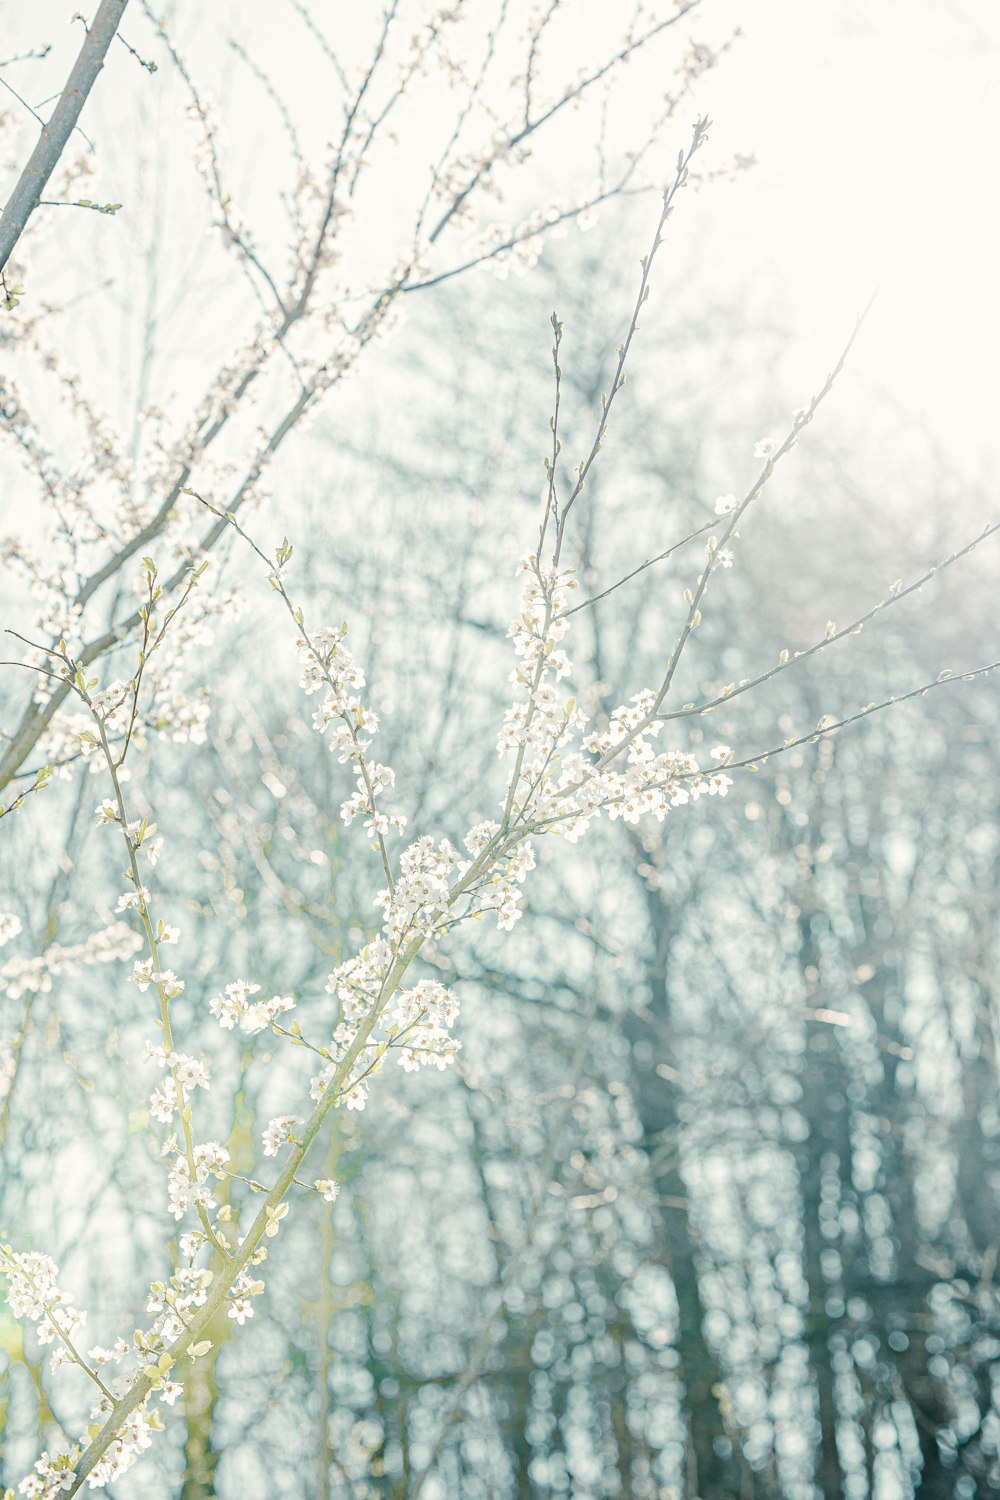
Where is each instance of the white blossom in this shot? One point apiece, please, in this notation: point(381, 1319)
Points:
point(10, 927)
point(277, 1133)
point(234, 1007)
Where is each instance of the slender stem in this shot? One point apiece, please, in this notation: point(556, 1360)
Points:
point(698, 138)
point(228, 1273)
point(649, 563)
point(835, 635)
point(754, 762)
point(64, 1338)
point(74, 1353)
point(331, 1095)
point(801, 420)
point(154, 954)
point(296, 614)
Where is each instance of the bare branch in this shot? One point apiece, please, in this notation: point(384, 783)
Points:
point(52, 141)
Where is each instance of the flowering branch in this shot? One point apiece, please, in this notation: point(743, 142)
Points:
point(337, 670)
point(786, 659)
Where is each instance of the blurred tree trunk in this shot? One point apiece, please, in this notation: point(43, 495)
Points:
point(200, 1454)
point(656, 1101)
point(825, 1150)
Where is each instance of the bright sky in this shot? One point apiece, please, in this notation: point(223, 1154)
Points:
point(877, 132)
point(877, 128)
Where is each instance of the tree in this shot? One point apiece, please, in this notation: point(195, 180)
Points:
point(565, 767)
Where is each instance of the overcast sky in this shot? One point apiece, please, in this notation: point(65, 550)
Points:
point(876, 130)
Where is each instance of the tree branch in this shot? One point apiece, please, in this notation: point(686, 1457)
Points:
point(52, 141)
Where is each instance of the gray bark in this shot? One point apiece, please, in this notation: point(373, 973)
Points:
point(51, 143)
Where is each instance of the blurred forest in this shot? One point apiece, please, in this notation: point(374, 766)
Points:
point(708, 1206)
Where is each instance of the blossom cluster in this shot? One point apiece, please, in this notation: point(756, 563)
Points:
point(499, 891)
point(10, 927)
point(234, 1007)
point(33, 1294)
point(49, 1476)
point(164, 705)
point(186, 1073)
point(327, 663)
point(567, 772)
point(279, 1132)
point(539, 723)
point(144, 974)
point(190, 1189)
point(414, 909)
point(173, 1303)
point(422, 1018)
point(32, 1289)
point(24, 974)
